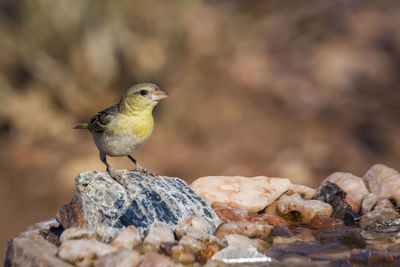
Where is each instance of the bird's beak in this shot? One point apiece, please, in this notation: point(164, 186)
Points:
point(158, 95)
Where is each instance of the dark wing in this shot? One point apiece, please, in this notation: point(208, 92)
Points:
point(100, 122)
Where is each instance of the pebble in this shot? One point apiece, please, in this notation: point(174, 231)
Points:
point(181, 255)
point(190, 224)
point(335, 196)
point(368, 202)
point(124, 258)
point(306, 208)
point(83, 252)
point(74, 233)
point(128, 238)
point(241, 249)
point(230, 214)
point(353, 186)
point(158, 234)
point(249, 193)
point(153, 259)
point(377, 218)
point(198, 241)
point(383, 203)
point(249, 229)
point(305, 192)
point(324, 222)
point(383, 181)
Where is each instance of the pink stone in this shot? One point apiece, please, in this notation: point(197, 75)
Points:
point(249, 193)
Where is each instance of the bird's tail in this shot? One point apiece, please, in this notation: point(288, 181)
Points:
point(82, 126)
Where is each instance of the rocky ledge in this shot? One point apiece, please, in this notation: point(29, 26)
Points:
point(218, 221)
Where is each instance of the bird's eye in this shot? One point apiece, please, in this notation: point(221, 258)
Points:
point(143, 92)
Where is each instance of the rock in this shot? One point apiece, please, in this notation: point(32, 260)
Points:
point(196, 242)
point(353, 186)
point(124, 258)
point(32, 251)
point(384, 204)
point(240, 250)
point(75, 233)
point(303, 234)
point(378, 218)
point(307, 209)
point(103, 205)
point(249, 229)
point(352, 239)
point(249, 193)
point(335, 196)
point(153, 259)
point(282, 235)
point(305, 192)
point(128, 238)
point(182, 255)
point(324, 222)
point(158, 234)
point(231, 214)
point(272, 209)
point(383, 181)
point(190, 224)
point(83, 252)
point(369, 202)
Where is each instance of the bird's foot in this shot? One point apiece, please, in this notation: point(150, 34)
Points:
point(142, 169)
point(117, 176)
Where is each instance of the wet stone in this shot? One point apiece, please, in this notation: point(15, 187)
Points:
point(379, 218)
point(323, 222)
point(353, 186)
point(103, 205)
point(335, 196)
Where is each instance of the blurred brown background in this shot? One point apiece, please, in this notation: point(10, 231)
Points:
point(296, 89)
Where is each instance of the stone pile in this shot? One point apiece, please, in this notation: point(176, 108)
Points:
point(348, 220)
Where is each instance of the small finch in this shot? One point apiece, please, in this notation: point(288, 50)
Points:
point(122, 129)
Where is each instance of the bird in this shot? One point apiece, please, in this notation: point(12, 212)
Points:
point(122, 129)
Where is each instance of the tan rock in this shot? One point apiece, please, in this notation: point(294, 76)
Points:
point(249, 229)
point(190, 224)
point(369, 202)
point(306, 208)
point(75, 233)
point(124, 258)
point(127, 239)
point(231, 214)
point(153, 259)
point(249, 193)
point(353, 185)
point(383, 181)
point(182, 255)
point(158, 234)
point(304, 191)
point(32, 251)
point(195, 242)
point(83, 252)
point(384, 203)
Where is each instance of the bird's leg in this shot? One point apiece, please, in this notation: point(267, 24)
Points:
point(111, 171)
point(142, 169)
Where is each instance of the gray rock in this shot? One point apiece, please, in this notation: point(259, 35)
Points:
point(107, 207)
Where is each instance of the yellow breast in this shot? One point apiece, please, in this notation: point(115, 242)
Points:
point(141, 126)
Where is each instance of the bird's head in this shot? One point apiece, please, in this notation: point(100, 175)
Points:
point(141, 97)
